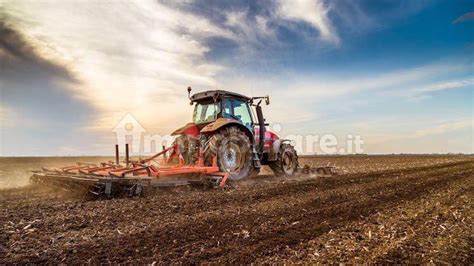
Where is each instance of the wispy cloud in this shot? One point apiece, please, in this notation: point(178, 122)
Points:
point(464, 18)
point(30, 84)
point(250, 32)
point(396, 82)
point(8, 117)
point(124, 54)
point(405, 135)
point(300, 93)
point(313, 12)
point(138, 57)
point(443, 128)
point(438, 86)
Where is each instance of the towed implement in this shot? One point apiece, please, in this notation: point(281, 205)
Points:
point(227, 140)
point(130, 178)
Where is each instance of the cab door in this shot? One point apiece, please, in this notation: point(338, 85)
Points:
point(238, 110)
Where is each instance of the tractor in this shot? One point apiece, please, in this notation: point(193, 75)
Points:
point(227, 140)
point(231, 127)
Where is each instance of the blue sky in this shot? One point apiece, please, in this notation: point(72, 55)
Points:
point(397, 73)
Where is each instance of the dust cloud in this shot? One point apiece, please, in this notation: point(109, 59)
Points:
point(16, 171)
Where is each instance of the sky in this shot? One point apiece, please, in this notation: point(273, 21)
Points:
point(399, 74)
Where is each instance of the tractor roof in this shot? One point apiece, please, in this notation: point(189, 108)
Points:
point(207, 95)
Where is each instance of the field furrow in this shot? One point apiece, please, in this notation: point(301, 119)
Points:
point(420, 213)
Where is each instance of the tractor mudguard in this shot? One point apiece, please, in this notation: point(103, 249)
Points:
point(273, 152)
point(224, 122)
point(188, 129)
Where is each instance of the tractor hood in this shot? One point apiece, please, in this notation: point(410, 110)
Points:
point(189, 129)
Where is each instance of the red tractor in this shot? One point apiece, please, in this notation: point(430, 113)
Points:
point(231, 127)
point(226, 140)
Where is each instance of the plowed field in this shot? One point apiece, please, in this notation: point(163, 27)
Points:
point(382, 209)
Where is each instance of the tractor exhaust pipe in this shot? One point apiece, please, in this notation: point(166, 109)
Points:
point(261, 125)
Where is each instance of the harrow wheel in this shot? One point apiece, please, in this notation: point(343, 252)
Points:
point(287, 161)
point(232, 148)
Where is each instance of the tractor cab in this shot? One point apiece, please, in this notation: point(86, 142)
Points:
point(212, 105)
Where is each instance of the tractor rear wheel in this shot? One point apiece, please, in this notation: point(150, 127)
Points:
point(287, 161)
point(232, 148)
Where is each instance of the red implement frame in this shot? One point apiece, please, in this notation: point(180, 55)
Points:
point(143, 169)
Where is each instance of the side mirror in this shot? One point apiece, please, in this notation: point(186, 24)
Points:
point(189, 96)
point(267, 100)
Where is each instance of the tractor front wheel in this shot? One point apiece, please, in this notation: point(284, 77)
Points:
point(232, 148)
point(287, 161)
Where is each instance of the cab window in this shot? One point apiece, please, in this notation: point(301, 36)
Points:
point(238, 110)
point(205, 112)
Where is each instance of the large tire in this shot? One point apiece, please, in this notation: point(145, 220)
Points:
point(232, 148)
point(287, 161)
